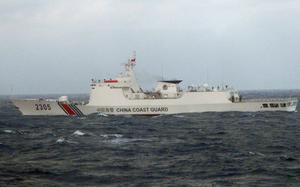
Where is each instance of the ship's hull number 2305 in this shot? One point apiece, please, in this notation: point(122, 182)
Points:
point(42, 107)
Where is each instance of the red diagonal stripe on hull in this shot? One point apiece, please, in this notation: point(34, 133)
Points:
point(70, 111)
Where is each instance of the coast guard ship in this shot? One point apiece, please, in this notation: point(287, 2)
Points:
point(124, 96)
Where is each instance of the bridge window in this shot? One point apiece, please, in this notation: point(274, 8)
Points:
point(274, 105)
point(283, 105)
point(265, 105)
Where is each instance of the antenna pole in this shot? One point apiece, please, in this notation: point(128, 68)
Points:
point(162, 71)
point(206, 73)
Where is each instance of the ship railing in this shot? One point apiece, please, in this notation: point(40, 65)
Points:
point(39, 99)
point(288, 99)
point(150, 96)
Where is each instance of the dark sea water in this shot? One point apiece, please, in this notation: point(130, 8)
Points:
point(206, 149)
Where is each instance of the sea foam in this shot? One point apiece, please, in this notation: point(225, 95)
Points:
point(78, 133)
point(8, 131)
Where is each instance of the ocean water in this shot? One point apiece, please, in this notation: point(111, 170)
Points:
point(206, 149)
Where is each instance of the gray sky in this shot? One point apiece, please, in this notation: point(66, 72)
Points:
point(57, 46)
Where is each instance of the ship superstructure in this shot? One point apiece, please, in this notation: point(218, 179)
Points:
point(124, 96)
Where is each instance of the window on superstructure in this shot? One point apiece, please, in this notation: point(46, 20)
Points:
point(283, 105)
point(165, 87)
point(274, 105)
point(265, 105)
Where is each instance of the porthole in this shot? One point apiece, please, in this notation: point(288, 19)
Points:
point(165, 87)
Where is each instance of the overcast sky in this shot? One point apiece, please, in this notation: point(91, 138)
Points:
point(57, 46)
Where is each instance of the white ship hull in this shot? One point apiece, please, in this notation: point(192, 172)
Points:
point(54, 108)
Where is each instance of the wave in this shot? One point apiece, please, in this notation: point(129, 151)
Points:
point(9, 131)
point(60, 140)
point(78, 133)
point(125, 140)
point(63, 140)
point(119, 139)
point(102, 114)
point(179, 116)
point(111, 135)
point(256, 153)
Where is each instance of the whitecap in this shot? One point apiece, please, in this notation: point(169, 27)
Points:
point(119, 141)
point(8, 131)
point(179, 116)
point(60, 140)
point(63, 141)
point(79, 133)
point(251, 153)
point(102, 114)
point(124, 140)
point(256, 153)
point(117, 135)
point(111, 135)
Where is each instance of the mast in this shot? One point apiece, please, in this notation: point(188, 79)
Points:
point(131, 62)
point(130, 72)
